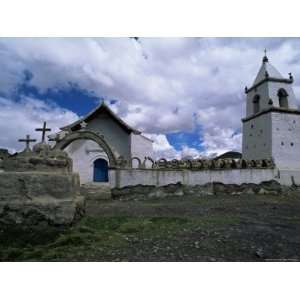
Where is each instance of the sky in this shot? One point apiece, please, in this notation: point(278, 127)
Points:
point(187, 94)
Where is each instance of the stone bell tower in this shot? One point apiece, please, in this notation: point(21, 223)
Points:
point(271, 128)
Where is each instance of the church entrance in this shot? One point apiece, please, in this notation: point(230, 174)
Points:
point(100, 170)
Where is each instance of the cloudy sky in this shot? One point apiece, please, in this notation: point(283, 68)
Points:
point(186, 93)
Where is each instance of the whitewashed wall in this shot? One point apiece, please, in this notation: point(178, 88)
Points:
point(263, 92)
point(117, 138)
point(130, 177)
point(286, 140)
point(267, 91)
point(257, 134)
point(140, 147)
point(83, 159)
point(273, 94)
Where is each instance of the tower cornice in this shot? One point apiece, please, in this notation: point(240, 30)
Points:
point(269, 79)
point(272, 109)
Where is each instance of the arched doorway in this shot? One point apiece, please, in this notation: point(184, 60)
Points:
point(100, 170)
point(85, 148)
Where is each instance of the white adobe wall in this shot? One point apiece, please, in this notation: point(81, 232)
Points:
point(268, 91)
point(257, 143)
point(286, 140)
point(141, 146)
point(262, 91)
point(131, 177)
point(83, 159)
point(114, 134)
point(273, 91)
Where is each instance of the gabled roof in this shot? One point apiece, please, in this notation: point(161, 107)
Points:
point(266, 68)
point(102, 107)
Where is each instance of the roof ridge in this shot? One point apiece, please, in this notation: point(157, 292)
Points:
point(109, 110)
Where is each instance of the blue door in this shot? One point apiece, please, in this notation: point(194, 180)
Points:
point(100, 170)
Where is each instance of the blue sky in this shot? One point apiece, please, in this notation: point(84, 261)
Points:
point(185, 93)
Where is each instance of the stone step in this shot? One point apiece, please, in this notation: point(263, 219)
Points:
point(96, 191)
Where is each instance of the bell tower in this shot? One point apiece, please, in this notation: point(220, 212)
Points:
point(271, 128)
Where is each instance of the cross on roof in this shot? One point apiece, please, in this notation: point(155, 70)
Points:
point(28, 140)
point(43, 129)
point(265, 58)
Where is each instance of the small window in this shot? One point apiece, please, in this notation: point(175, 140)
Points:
point(292, 144)
point(252, 125)
point(282, 143)
point(283, 98)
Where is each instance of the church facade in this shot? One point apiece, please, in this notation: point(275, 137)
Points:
point(104, 148)
point(90, 158)
point(271, 128)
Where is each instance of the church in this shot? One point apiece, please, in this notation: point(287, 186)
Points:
point(104, 148)
point(271, 128)
point(97, 140)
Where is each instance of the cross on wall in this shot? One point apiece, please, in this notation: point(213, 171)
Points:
point(44, 129)
point(28, 140)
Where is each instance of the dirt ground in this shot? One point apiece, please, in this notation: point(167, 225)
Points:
point(210, 228)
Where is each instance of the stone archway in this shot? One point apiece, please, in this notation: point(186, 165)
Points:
point(87, 135)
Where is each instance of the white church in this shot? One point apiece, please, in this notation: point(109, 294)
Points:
point(102, 138)
point(271, 131)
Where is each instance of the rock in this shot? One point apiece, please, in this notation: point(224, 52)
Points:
point(96, 191)
point(41, 159)
point(4, 153)
point(30, 198)
point(259, 253)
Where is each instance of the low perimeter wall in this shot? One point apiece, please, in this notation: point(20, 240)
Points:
point(120, 178)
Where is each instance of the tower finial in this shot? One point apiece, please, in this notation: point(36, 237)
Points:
point(265, 58)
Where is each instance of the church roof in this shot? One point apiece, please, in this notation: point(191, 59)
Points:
point(267, 70)
point(102, 107)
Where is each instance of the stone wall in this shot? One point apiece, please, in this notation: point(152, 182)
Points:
point(41, 159)
point(144, 192)
point(38, 186)
point(39, 197)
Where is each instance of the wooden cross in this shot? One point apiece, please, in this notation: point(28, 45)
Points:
point(43, 129)
point(27, 141)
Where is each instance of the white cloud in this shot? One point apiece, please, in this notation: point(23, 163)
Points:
point(161, 83)
point(163, 149)
point(17, 119)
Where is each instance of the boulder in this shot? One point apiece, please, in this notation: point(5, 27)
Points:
point(30, 198)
